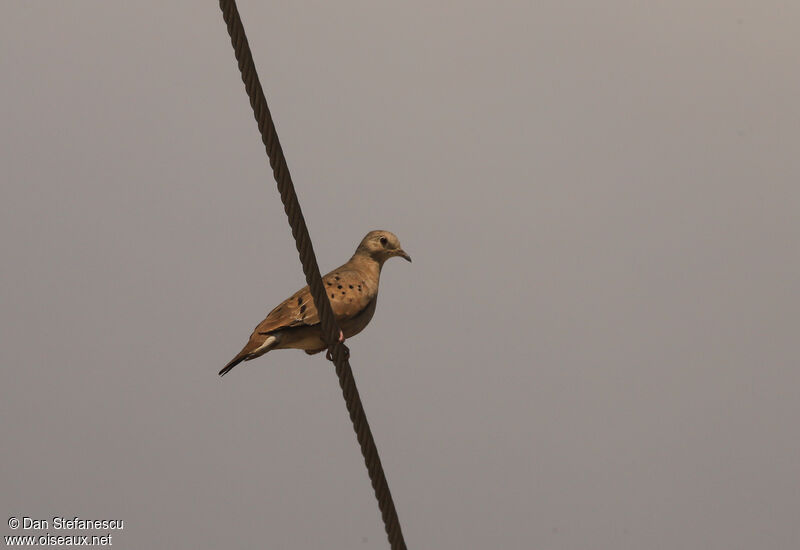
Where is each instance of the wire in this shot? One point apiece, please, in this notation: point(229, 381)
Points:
point(337, 352)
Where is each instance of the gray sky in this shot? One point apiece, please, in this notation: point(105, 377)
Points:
point(596, 346)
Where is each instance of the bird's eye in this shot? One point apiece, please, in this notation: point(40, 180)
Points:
point(384, 241)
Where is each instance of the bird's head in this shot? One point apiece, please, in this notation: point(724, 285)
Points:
point(380, 246)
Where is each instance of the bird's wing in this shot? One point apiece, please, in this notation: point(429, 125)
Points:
point(347, 290)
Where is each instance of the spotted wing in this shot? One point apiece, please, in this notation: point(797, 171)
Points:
point(346, 289)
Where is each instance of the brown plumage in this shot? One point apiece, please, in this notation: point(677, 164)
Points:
point(352, 290)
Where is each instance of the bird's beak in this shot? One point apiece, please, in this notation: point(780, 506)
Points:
point(402, 253)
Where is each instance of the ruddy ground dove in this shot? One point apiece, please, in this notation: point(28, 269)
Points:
point(353, 292)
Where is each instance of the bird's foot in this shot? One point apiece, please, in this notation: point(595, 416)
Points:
point(345, 351)
point(340, 341)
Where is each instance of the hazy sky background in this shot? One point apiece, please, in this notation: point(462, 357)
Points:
point(596, 346)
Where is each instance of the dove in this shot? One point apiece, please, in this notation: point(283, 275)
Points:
point(353, 293)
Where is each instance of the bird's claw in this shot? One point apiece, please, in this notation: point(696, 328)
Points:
point(345, 350)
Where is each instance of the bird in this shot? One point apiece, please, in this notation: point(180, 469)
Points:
point(353, 292)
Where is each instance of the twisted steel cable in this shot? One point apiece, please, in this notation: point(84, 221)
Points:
point(337, 352)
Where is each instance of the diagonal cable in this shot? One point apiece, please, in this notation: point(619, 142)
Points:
point(337, 352)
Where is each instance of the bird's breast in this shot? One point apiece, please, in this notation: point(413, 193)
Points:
point(353, 326)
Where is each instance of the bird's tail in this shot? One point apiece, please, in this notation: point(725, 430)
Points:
point(250, 353)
